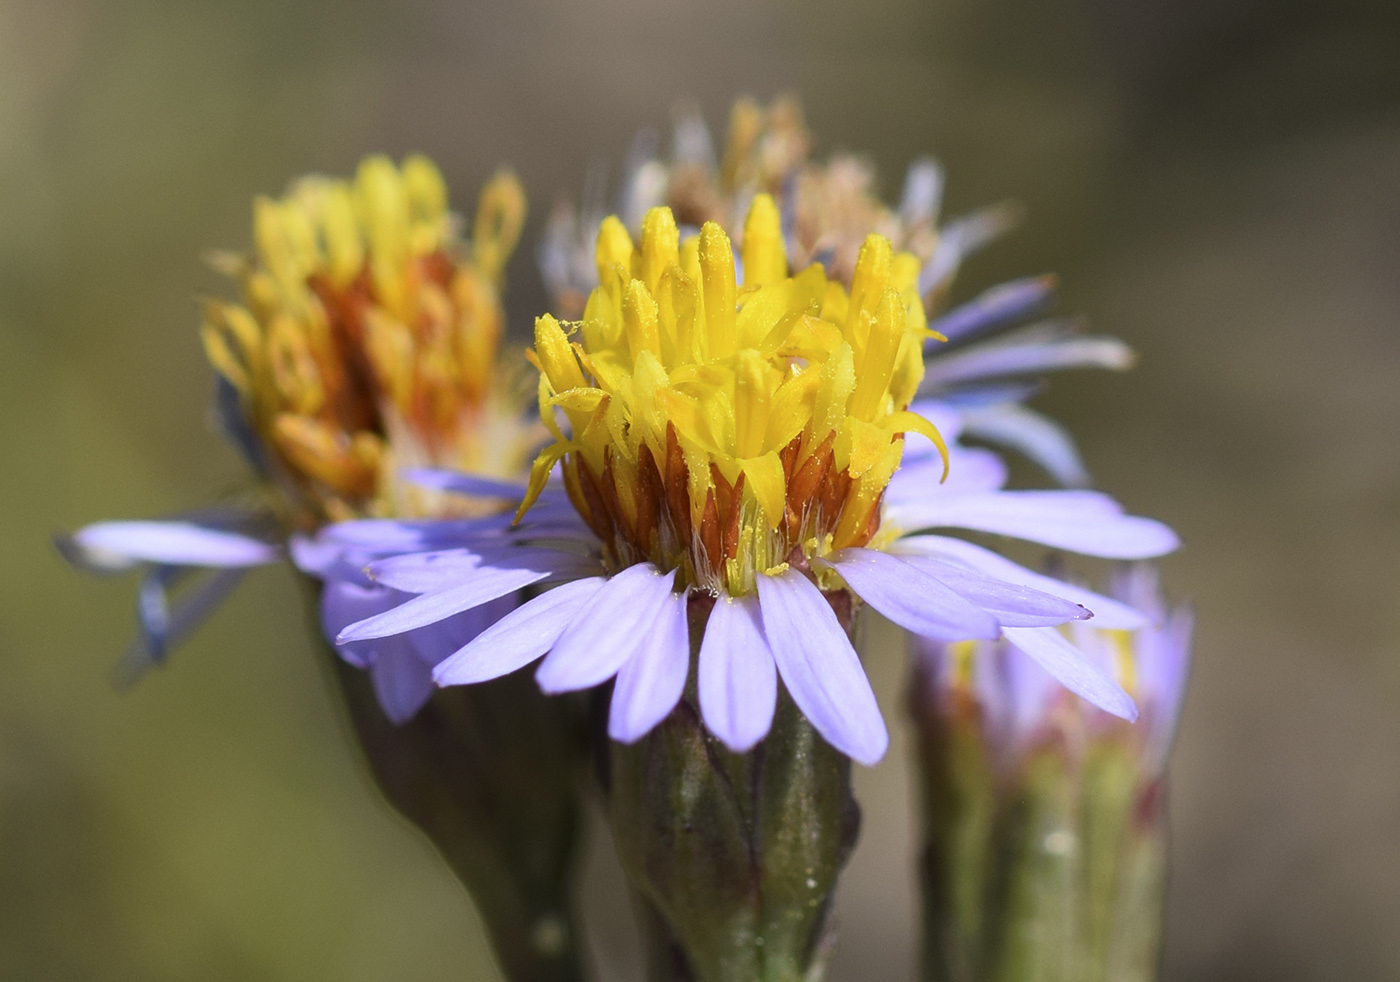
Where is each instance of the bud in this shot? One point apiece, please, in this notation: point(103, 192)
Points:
point(1044, 818)
point(733, 857)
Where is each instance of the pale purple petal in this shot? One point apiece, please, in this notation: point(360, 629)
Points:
point(738, 681)
point(520, 637)
point(343, 603)
point(1002, 303)
point(910, 597)
point(1037, 436)
point(1021, 357)
point(485, 584)
point(435, 642)
point(969, 469)
point(1107, 612)
point(1074, 669)
point(121, 545)
point(1011, 604)
point(650, 683)
point(402, 682)
point(1077, 521)
point(430, 572)
point(608, 632)
point(960, 238)
point(471, 485)
point(819, 667)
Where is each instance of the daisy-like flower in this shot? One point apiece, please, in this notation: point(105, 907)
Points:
point(828, 207)
point(1046, 817)
point(365, 345)
point(731, 454)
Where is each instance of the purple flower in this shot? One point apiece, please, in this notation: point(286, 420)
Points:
point(632, 625)
point(1021, 706)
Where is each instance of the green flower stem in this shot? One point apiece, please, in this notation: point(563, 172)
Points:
point(1042, 863)
point(734, 857)
point(491, 773)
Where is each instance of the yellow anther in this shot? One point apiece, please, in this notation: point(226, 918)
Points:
point(872, 274)
point(881, 348)
point(765, 257)
point(639, 320)
point(752, 393)
point(425, 190)
point(717, 285)
point(556, 355)
point(500, 215)
point(345, 251)
point(614, 247)
point(660, 247)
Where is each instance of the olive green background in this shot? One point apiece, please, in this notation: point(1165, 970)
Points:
point(1216, 182)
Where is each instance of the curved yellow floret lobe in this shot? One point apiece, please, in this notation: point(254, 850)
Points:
point(723, 428)
point(368, 334)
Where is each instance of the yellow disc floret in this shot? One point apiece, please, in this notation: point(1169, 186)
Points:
point(368, 335)
point(723, 429)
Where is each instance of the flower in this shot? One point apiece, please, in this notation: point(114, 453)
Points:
point(368, 336)
point(828, 208)
point(365, 346)
point(1044, 819)
point(1019, 705)
point(732, 454)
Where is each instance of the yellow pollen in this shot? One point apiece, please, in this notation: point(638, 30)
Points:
point(726, 429)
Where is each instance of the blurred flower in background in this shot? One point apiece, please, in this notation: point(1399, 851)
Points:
point(1045, 837)
point(366, 344)
point(827, 209)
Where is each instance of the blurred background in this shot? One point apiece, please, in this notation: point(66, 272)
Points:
point(1214, 180)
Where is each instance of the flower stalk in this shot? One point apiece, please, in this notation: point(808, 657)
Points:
point(733, 857)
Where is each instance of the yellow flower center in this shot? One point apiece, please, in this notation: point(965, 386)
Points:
point(723, 429)
point(368, 335)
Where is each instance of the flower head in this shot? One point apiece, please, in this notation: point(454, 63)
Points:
point(722, 428)
point(365, 347)
point(731, 469)
point(367, 337)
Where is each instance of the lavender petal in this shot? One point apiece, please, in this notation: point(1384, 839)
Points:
point(819, 667)
point(518, 638)
point(738, 680)
point(650, 683)
point(910, 597)
point(1074, 669)
point(608, 632)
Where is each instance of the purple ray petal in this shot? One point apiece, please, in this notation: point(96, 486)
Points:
point(112, 546)
point(1013, 605)
point(472, 485)
point(345, 602)
point(485, 584)
point(1002, 303)
point(1107, 612)
point(518, 638)
point(1074, 669)
point(738, 681)
point(650, 683)
point(910, 597)
point(1037, 436)
point(401, 681)
point(819, 667)
point(1022, 357)
point(430, 572)
point(1078, 521)
point(969, 469)
point(608, 632)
